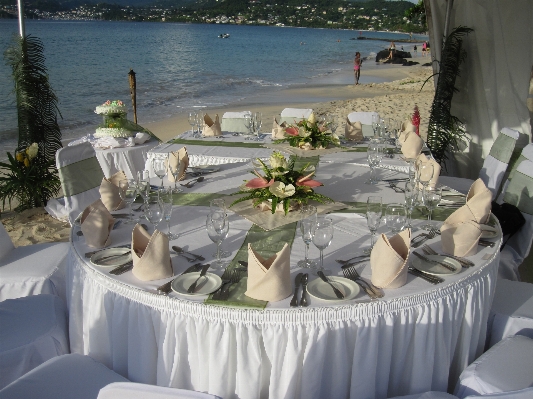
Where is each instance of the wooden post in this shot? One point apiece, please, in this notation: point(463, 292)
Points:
point(133, 93)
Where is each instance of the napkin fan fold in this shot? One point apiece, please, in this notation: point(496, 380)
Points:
point(353, 130)
point(388, 260)
point(278, 129)
point(175, 158)
point(211, 128)
point(412, 145)
point(110, 193)
point(269, 279)
point(151, 256)
point(96, 224)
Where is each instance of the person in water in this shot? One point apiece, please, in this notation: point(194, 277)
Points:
point(357, 67)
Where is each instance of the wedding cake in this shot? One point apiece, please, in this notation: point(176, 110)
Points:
point(115, 123)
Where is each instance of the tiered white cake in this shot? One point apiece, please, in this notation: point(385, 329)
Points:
point(115, 122)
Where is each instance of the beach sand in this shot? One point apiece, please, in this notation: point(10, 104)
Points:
point(394, 97)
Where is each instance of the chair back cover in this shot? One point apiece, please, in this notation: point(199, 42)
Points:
point(364, 117)
point(520, 394)
point(6, 245)
point(527, 153)
point(80, 175)
point(294, 115)
point(235, 121)
point(497, 161)
point(131, 390)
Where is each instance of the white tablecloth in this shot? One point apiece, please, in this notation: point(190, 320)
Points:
point(128, 159)
point(417, 338)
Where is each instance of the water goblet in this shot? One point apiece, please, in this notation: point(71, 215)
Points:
point(411, 199)
point(308, 213)
point(425, 173)
point(374, 154)
point(219, 205)
point(375, 124)
point(431, 197)
point(373, 218)
point(175, 170)
point(395, 217)
point(159, 164)
point(217, 226)
point(192, 122)
point(322, 234)
point(199, 123)
point(385, 125)
point(153, 210)
point(167, 203)
point(128, 193)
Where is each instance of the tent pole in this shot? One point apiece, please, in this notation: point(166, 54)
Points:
point(449, 5)
point(431, 29)
point(22, 28)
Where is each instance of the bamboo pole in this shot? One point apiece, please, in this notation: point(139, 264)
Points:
point(22, 27)
point(133, 93)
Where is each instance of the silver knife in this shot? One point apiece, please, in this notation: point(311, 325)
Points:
point(91, 253)
point(337, 292)
point(428, 277)
point(112, 256)
point(451, 268)
point(347, 265)
point(192, 288)
point(297, 281)
point(165, 288)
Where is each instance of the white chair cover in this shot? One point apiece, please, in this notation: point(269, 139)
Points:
point(235, 122)
point(131, 390)
point(427, 395)
point(520, 394)
point(507, 366)
point(457, 183)
point(292, 115)
point(520, 194)
point(32, 330)
point(32, 269)
point(81, 175)
point(64, 377)
point(364, 117)
point(527, 153)
point(511, 312)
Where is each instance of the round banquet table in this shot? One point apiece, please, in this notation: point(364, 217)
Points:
point(416, 338)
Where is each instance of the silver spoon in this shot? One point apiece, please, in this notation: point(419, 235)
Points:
point(193, 182)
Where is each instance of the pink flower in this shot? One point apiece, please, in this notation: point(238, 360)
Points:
point(307, 181)
point(259, 182)
point(291, 131)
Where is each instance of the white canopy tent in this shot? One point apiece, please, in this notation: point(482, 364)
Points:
point(495, 78)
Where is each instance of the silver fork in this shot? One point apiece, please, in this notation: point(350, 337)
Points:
point(225, 281)
point(416, 243)
point(371, 286)
point(464, 262)
point(234, 279)
point(350, 276)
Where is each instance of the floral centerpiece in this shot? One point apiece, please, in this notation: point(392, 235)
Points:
point(308, 134)
point(281, 184)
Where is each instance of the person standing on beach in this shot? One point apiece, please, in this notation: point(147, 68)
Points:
point(357, 67)
point(424, 45)
point(415, 50)
point(392, 50)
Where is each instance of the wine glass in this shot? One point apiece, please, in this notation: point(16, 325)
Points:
point(375, 124)
point(219, 205)
point(411, 197)
point(153, 210)
point(374, 159)
point(322, 234)
point(167, 203)
point(128, 193)
point(395, 217)
point(199, 123)
point(192, 122)
point(249, 124)
point(373, 218)
point(425, 173)
point(159, 164)
point(385, 125)
point(258, 121)
point(217, 226)
point(431, 197)
point(175, 171)
point(308, 213)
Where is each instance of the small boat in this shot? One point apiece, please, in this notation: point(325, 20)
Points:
point(223, 35)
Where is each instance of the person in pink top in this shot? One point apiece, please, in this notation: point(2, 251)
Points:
point(424, 48)
point(357, 67)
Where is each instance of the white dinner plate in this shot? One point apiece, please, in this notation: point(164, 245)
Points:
point(118, 256)
point(488, 232)
point(322, 290)
point(210, 283)
point(435, 269)
point(205, 168)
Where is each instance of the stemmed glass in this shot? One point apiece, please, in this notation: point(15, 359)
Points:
point(219, 205)
point(159, 164)
point(375, 125)
point(396, 217)
point(374, 159)
point(217, 226)
point(425, 173)
point(411, 196)
point(143, 185)
point(258, 121)
point(322, 234)
point(249, 124)
point(385, 125)
point(308, 213)
point(128, 193)
point(175, 171)
point(153, 210)
point(167, 202)
point(192, 122)
point(431, 197)
point(199, 123)
point(373, 218)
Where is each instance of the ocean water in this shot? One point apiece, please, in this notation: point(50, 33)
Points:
point(179, 67)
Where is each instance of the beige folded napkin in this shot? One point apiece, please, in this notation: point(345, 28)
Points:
point(151, 256)
point(477, 207)
point(96, 224)
point(211, 128)
point(110, 193)
point(269, 279)
point(460, 239)
point(412, 146)
point(388, 260)
point(174, 158)
point(436, 168)
point(353, 131)
point(278, 130)
point(406, 127)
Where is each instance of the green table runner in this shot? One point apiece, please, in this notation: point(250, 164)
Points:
point(217, 143)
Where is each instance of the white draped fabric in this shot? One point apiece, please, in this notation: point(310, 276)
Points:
point(131, 390)
point(418, 338)
point(128, 159)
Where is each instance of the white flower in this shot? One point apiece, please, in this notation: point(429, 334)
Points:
point(311, 118)
point(303, 133)
point(280, 190)
point(32, 151)
point(278, 161)
point(336, 139)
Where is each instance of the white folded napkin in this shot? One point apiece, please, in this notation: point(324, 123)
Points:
point(412, 146)
point(211, 128)
point(388, 260)
point(174, 157)
point(353, 130)
point(141, 138)
point(460, 239)
point(151, 256)
point(237, 115)
point(269, 279)
point(436, 168)
point(96, 225)
point(110, 193)
point(278, 130)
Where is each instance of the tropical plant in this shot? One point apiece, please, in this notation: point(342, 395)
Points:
point(446, 131)
point(310, 134)
point(32, 182)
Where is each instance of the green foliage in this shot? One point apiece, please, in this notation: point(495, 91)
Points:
point(445, 131)
point(32, 179)
point(30, 185)
point(315, 134)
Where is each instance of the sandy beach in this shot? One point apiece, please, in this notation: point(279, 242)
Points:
point(394, 96)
